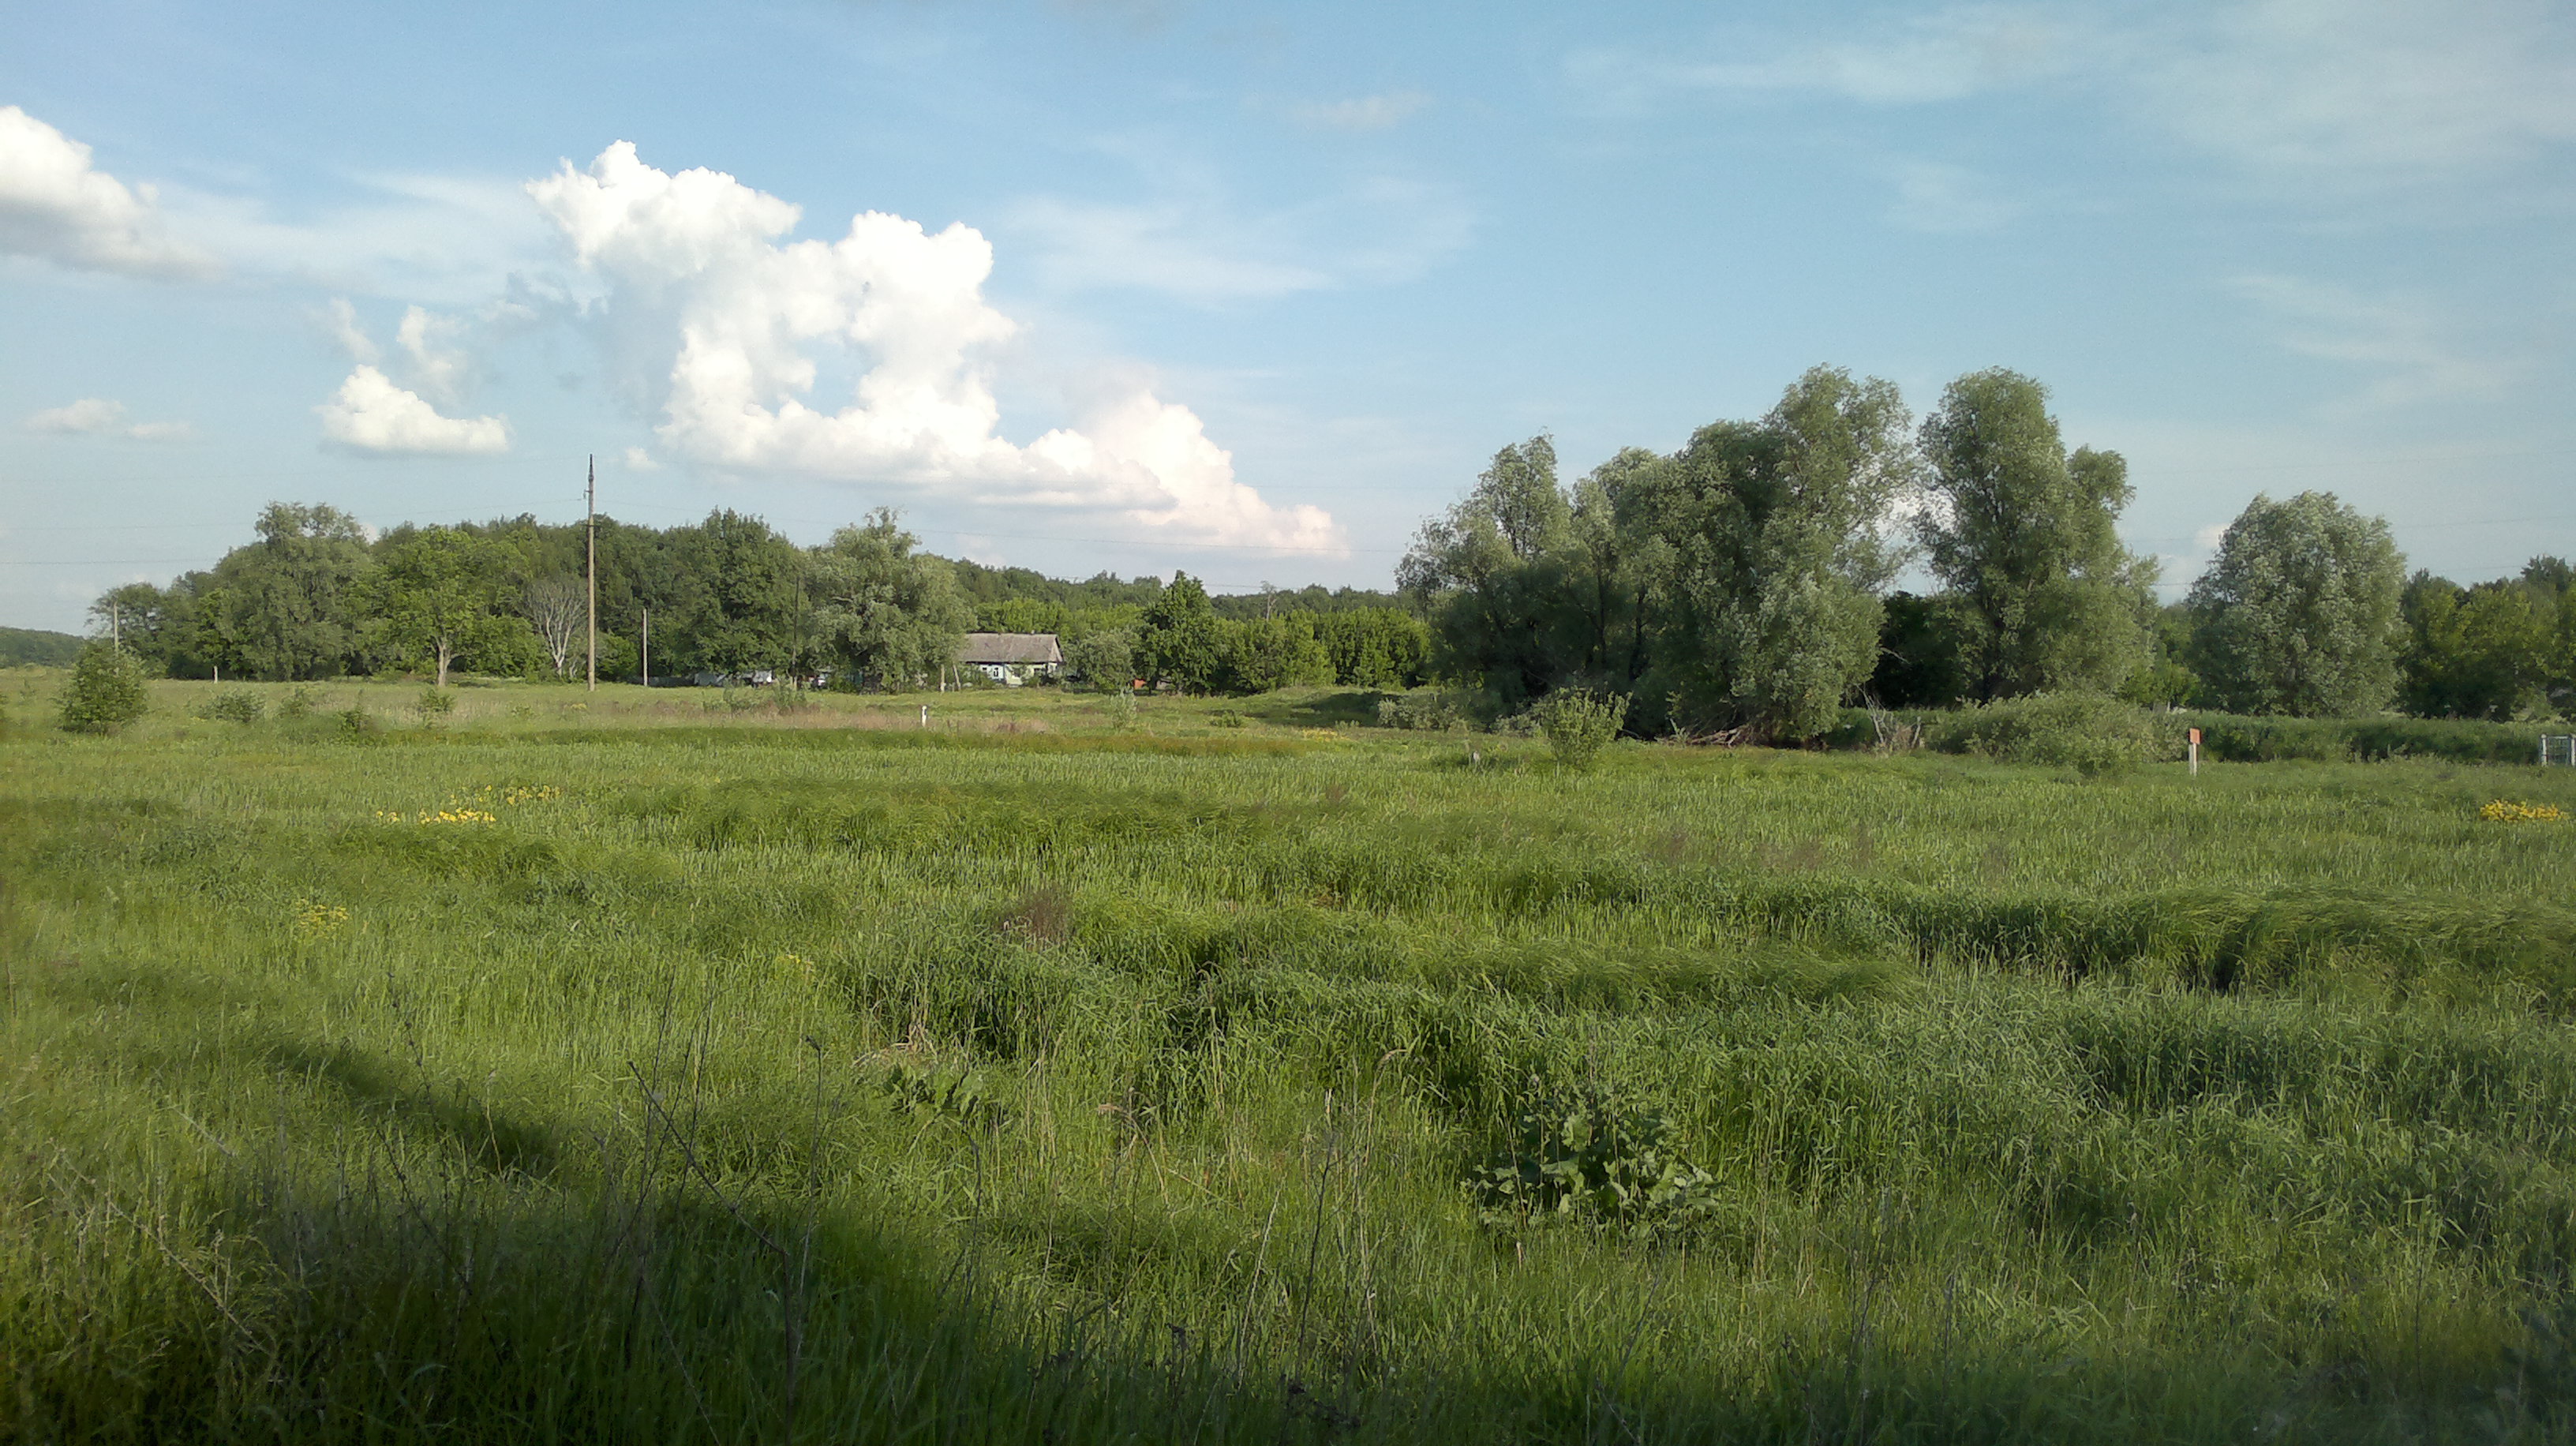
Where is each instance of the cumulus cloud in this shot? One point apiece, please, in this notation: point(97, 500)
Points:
point(56, 206)
point(371, 414)
point(100, 417)
point(728, 325)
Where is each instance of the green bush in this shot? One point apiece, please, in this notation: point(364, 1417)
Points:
point(234, 705)
point(1225, 718)
point(1578, 723)
point(299, 701)
point(2236, 738)
point(434, 704)
point(2088, 732)
point(106, 690)
point(1425, 712)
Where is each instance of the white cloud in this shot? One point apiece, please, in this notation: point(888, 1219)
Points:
point(1947, 200)
point(370, 414)
point(1364, 113)
point(2405, 340)
point(639, 460)
point(353, 338)
point(101, 417)
point(2361, 91)
point(722, 323)
point(1192, 243)
point(56, 206)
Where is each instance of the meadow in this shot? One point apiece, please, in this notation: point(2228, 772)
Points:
point(671, 1067)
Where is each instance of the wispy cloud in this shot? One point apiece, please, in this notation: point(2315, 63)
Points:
point(1192, 239)
point(1363, 113)
point(1948, 200)
point(2407, 343)
point(102, 417)
point(2357, 91)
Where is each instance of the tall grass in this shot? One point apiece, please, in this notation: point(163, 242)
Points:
point(790, 1084)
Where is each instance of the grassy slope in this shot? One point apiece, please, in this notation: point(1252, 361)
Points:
point(844, 1082)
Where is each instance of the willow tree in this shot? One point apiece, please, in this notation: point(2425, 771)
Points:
point(2299, 612)
point(882, 610)
point(2042, 595)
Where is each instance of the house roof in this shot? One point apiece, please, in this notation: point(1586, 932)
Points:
point(1025, 649)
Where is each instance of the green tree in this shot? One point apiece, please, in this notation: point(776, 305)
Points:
point(2299, 612)
point(744, 603)
point(2023, 535)
point(106, 690)
point(1491, 573)
point(440, 593)
point(1106, 660)
point(287, 606)
point(883, 612)
point(2483, 652)
point(1178, 640)
point(1760, 551)
point(1262, 655)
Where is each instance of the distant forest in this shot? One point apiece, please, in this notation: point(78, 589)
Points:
point(20, 647)
point(1742, 586)
point(317, 596)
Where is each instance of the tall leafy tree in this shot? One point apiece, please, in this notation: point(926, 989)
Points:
point(1762, 549)
point(441, 594)
point(748, 603)
point(286, 607)
point(2299, 612)
point(2481, 652)
point(2041, 593)
point(1491, 574)
point(883, 612)
point(1178, 640)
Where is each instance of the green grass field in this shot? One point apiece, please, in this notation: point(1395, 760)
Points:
point(637, 1067)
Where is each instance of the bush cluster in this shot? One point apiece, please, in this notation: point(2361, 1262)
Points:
point(106, 690)
point(2088, 732)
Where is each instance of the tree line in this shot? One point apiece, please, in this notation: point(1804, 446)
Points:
point(316, 595)
point(1742, 585)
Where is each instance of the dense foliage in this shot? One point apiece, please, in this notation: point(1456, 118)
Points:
point(105, 691)
point(317, 597)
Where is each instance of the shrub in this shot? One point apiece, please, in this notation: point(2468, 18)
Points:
point(434, 703)
point(2089, 732)
point(234, 705)
point(299, 701)
point(1427, 712)
point(1578, 723)
point(106, 690)
point(357, 722)
point(1225, 718)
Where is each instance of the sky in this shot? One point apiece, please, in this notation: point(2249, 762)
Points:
point(1250, 289)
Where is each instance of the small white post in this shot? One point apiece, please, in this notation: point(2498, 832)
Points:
point(2195, 753)
point(925, 715)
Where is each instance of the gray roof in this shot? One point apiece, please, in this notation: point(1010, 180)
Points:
point(1025, 649)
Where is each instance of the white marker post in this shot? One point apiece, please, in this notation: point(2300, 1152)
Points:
point(925, 715)
point(2195, 753)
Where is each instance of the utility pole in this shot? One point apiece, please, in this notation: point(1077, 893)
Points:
point(648, 647)
point(590, 499)
point(116, 640)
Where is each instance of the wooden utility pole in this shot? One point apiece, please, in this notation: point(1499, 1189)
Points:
point(590, 500)
point(648, 647)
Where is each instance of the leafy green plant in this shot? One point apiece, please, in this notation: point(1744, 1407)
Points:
point(1422, 712)
point(1225, 718)
point(300, 701)
point(1582, 1154)
point(234, 705)
point(434, 704)
point(1578, 723)
point(2088, 732)
point(357, 722)
point(105, 692)
point(953, 1094)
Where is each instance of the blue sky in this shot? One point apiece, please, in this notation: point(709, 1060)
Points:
point(1248, 289)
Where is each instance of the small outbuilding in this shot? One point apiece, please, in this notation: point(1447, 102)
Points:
point(1011, 658)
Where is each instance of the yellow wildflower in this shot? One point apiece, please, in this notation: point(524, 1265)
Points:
point(2505, 811)
point(312, 920)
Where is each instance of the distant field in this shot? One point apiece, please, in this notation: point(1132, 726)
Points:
point(635, 1067)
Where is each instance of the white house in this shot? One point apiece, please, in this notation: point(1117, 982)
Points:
point(1011, 658)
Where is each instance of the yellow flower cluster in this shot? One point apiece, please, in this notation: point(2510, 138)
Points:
point(1322, 735)
point(313, 920)
point(2502, 811)
point(477, 806)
